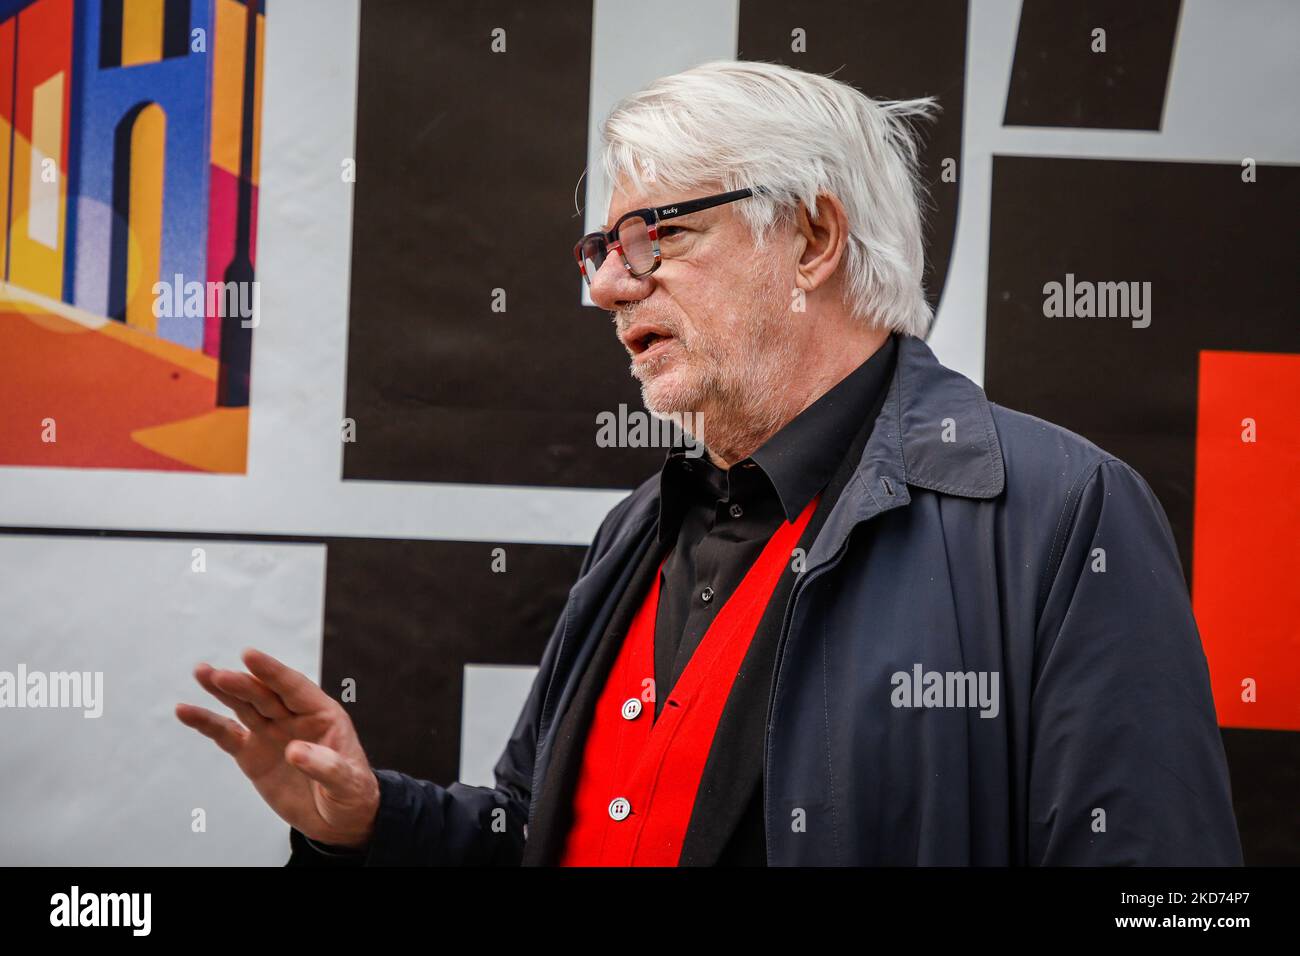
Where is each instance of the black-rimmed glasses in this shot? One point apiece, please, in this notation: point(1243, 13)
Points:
point(636, 234)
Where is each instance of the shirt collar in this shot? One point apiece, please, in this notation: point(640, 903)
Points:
point(802, 456)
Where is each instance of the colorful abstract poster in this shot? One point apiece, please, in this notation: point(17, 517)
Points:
point(129, 134)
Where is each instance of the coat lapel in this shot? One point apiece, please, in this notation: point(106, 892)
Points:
point(934, 431)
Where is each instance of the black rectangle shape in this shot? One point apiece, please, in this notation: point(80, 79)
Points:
point(471, 138)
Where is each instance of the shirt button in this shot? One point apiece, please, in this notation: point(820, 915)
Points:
point(631, 707)
point(706, 595)
point(619, 808)
point(737, 511)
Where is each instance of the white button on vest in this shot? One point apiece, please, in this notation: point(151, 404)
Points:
point(619, 808)
point(631, 707)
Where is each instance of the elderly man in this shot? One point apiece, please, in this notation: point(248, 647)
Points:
point(884, 621)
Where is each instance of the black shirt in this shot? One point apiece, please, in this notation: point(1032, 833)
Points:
point(716, 522)
point(721, 519)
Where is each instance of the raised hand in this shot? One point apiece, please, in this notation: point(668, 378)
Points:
point(295, 743)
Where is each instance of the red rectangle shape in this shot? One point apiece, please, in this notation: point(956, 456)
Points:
point(1247, 531)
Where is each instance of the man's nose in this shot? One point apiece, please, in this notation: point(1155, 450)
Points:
point(613, 284)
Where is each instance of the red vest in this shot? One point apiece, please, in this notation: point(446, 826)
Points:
point(639, 776)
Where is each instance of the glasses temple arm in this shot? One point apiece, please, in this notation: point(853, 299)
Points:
point(708, 202)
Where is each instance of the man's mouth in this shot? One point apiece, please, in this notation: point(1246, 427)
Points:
point(645, 341)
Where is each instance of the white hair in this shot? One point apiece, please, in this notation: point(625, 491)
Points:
point(747, 123)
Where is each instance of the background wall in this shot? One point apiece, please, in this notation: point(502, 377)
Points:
point(400, 429)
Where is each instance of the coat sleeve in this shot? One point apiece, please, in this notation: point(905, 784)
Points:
point(421, 823)
point(1126, 763)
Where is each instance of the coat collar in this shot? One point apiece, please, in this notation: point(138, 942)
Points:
point(935, 430)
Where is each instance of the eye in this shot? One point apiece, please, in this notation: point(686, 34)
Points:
point(666, 232)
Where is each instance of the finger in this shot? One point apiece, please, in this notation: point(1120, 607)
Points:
point(204, 674)
point(298, 692)
point(228, 734)
point(251, 691)
point(324, 765)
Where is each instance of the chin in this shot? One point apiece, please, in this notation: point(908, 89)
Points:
point(669, 391)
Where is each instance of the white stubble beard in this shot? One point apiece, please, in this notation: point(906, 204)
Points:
point(739, 389)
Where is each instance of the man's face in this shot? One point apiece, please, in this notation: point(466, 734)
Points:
point(712, 325)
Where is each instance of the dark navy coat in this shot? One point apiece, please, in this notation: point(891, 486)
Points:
point(973, 541)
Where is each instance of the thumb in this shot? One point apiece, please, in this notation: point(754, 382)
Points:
point(322, 764)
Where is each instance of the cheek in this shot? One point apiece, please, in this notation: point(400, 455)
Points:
point(723, 302)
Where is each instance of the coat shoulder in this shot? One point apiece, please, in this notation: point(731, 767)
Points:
point(1044, 461)
point(1057, 484)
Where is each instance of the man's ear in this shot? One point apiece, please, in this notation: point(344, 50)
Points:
point(824, 240)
